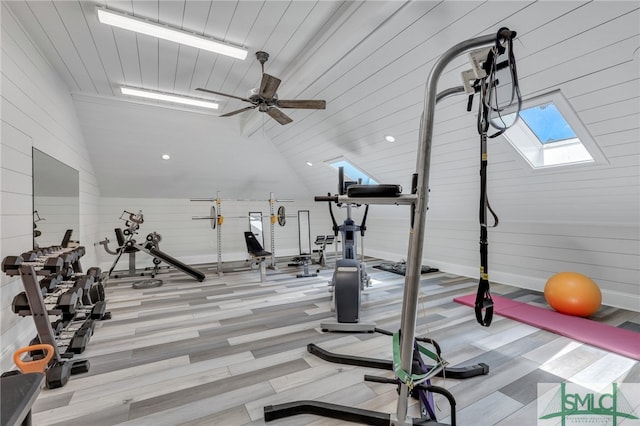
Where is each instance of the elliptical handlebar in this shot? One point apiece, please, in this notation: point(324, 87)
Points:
point(363, 226)
point(336, 228)
point(330, 198)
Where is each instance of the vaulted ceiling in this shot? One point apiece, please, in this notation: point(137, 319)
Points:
point(368, 60)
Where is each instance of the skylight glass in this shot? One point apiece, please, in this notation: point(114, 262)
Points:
point(550, 134)
point(352, 172)
point(547, 123)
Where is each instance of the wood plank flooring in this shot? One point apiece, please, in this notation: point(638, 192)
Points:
point(217, 352)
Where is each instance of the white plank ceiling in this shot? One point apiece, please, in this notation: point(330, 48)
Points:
point(369, 60)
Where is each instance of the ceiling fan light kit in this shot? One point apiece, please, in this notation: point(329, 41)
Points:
point(166, 32)
point(266, 98)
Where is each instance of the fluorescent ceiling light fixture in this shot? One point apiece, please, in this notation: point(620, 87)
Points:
point(550, 134)
point(352, 172)
point(150, 94)
point(166, 156)
point(389, 138)
point(165, 32)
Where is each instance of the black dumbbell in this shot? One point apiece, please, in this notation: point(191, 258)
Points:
point(20, 303)
point(57, 326)
point(81, 338)
point(68, 301)
point(53, 265)
point(30, 256)
point(50, 282)
point(96, 293)
point(95, 272)
point(11, 265)
point(83, 281)
point(68, 258)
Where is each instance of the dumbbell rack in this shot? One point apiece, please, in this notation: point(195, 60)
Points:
point(78, 300)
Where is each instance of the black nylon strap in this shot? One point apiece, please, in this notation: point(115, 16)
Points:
point(484, 304)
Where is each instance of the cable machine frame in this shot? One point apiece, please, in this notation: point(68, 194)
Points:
point(418, 200)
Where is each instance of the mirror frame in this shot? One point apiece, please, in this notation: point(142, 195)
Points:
point(51, 178)
point(257, 218)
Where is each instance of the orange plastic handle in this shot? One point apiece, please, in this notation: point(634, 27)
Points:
point(35, 366)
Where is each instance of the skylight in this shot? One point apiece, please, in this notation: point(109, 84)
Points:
point(547, 123)
point(550, 134)
point(351, 172)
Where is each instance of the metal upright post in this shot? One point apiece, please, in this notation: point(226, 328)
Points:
point(219, 233)
point(39, 309)
point(272, 227)
point(417, 232)
point(418, 202)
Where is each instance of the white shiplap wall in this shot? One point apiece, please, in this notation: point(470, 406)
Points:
point(37, 111)
point(585, 218)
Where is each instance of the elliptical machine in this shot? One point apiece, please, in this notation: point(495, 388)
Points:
point(350, 276)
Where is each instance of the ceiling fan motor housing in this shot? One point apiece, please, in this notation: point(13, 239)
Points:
point(265, 98)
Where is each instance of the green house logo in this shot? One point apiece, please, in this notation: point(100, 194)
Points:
point(576, 405)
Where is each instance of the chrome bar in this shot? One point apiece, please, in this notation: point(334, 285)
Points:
point(417, 232)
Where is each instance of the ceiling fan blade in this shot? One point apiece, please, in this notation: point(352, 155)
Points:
point(223, 94)
point(302, 104)
point(238, 111)
point(268, 86)
point(279, 116)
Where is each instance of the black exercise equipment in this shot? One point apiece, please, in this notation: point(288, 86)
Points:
point(76, 300)
point(127, 244)
point(304, 245)
point(257, 252)
point(400, 268)
point(487, 84)
point(19, 392)
point(404, 347)
point(350, 277)
point(322, 241)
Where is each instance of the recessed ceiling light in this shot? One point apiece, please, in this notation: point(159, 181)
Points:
point(165, 32)
point(389, 138)
point(166, 156)
point(309, 163)
point(151, 94)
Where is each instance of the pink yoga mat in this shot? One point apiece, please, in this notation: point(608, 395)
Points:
point(604, 336)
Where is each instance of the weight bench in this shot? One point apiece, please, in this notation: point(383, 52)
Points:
point(323, 241)
point(258, 253)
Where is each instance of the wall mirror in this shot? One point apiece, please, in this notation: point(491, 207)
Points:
point(255, 226)
point(56, 200)
point(304, 232)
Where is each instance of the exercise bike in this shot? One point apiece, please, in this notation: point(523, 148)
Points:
point(350, 276)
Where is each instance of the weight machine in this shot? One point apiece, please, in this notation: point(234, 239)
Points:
point(216, 219)
point(304, 244)
point(127, 244)
point(405, 346)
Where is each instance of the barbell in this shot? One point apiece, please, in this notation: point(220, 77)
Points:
point(217, 219)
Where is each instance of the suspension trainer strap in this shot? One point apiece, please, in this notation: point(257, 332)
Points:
point(489, 105)
point(484, 302)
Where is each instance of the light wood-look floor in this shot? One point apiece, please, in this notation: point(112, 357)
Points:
point(217, 352)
